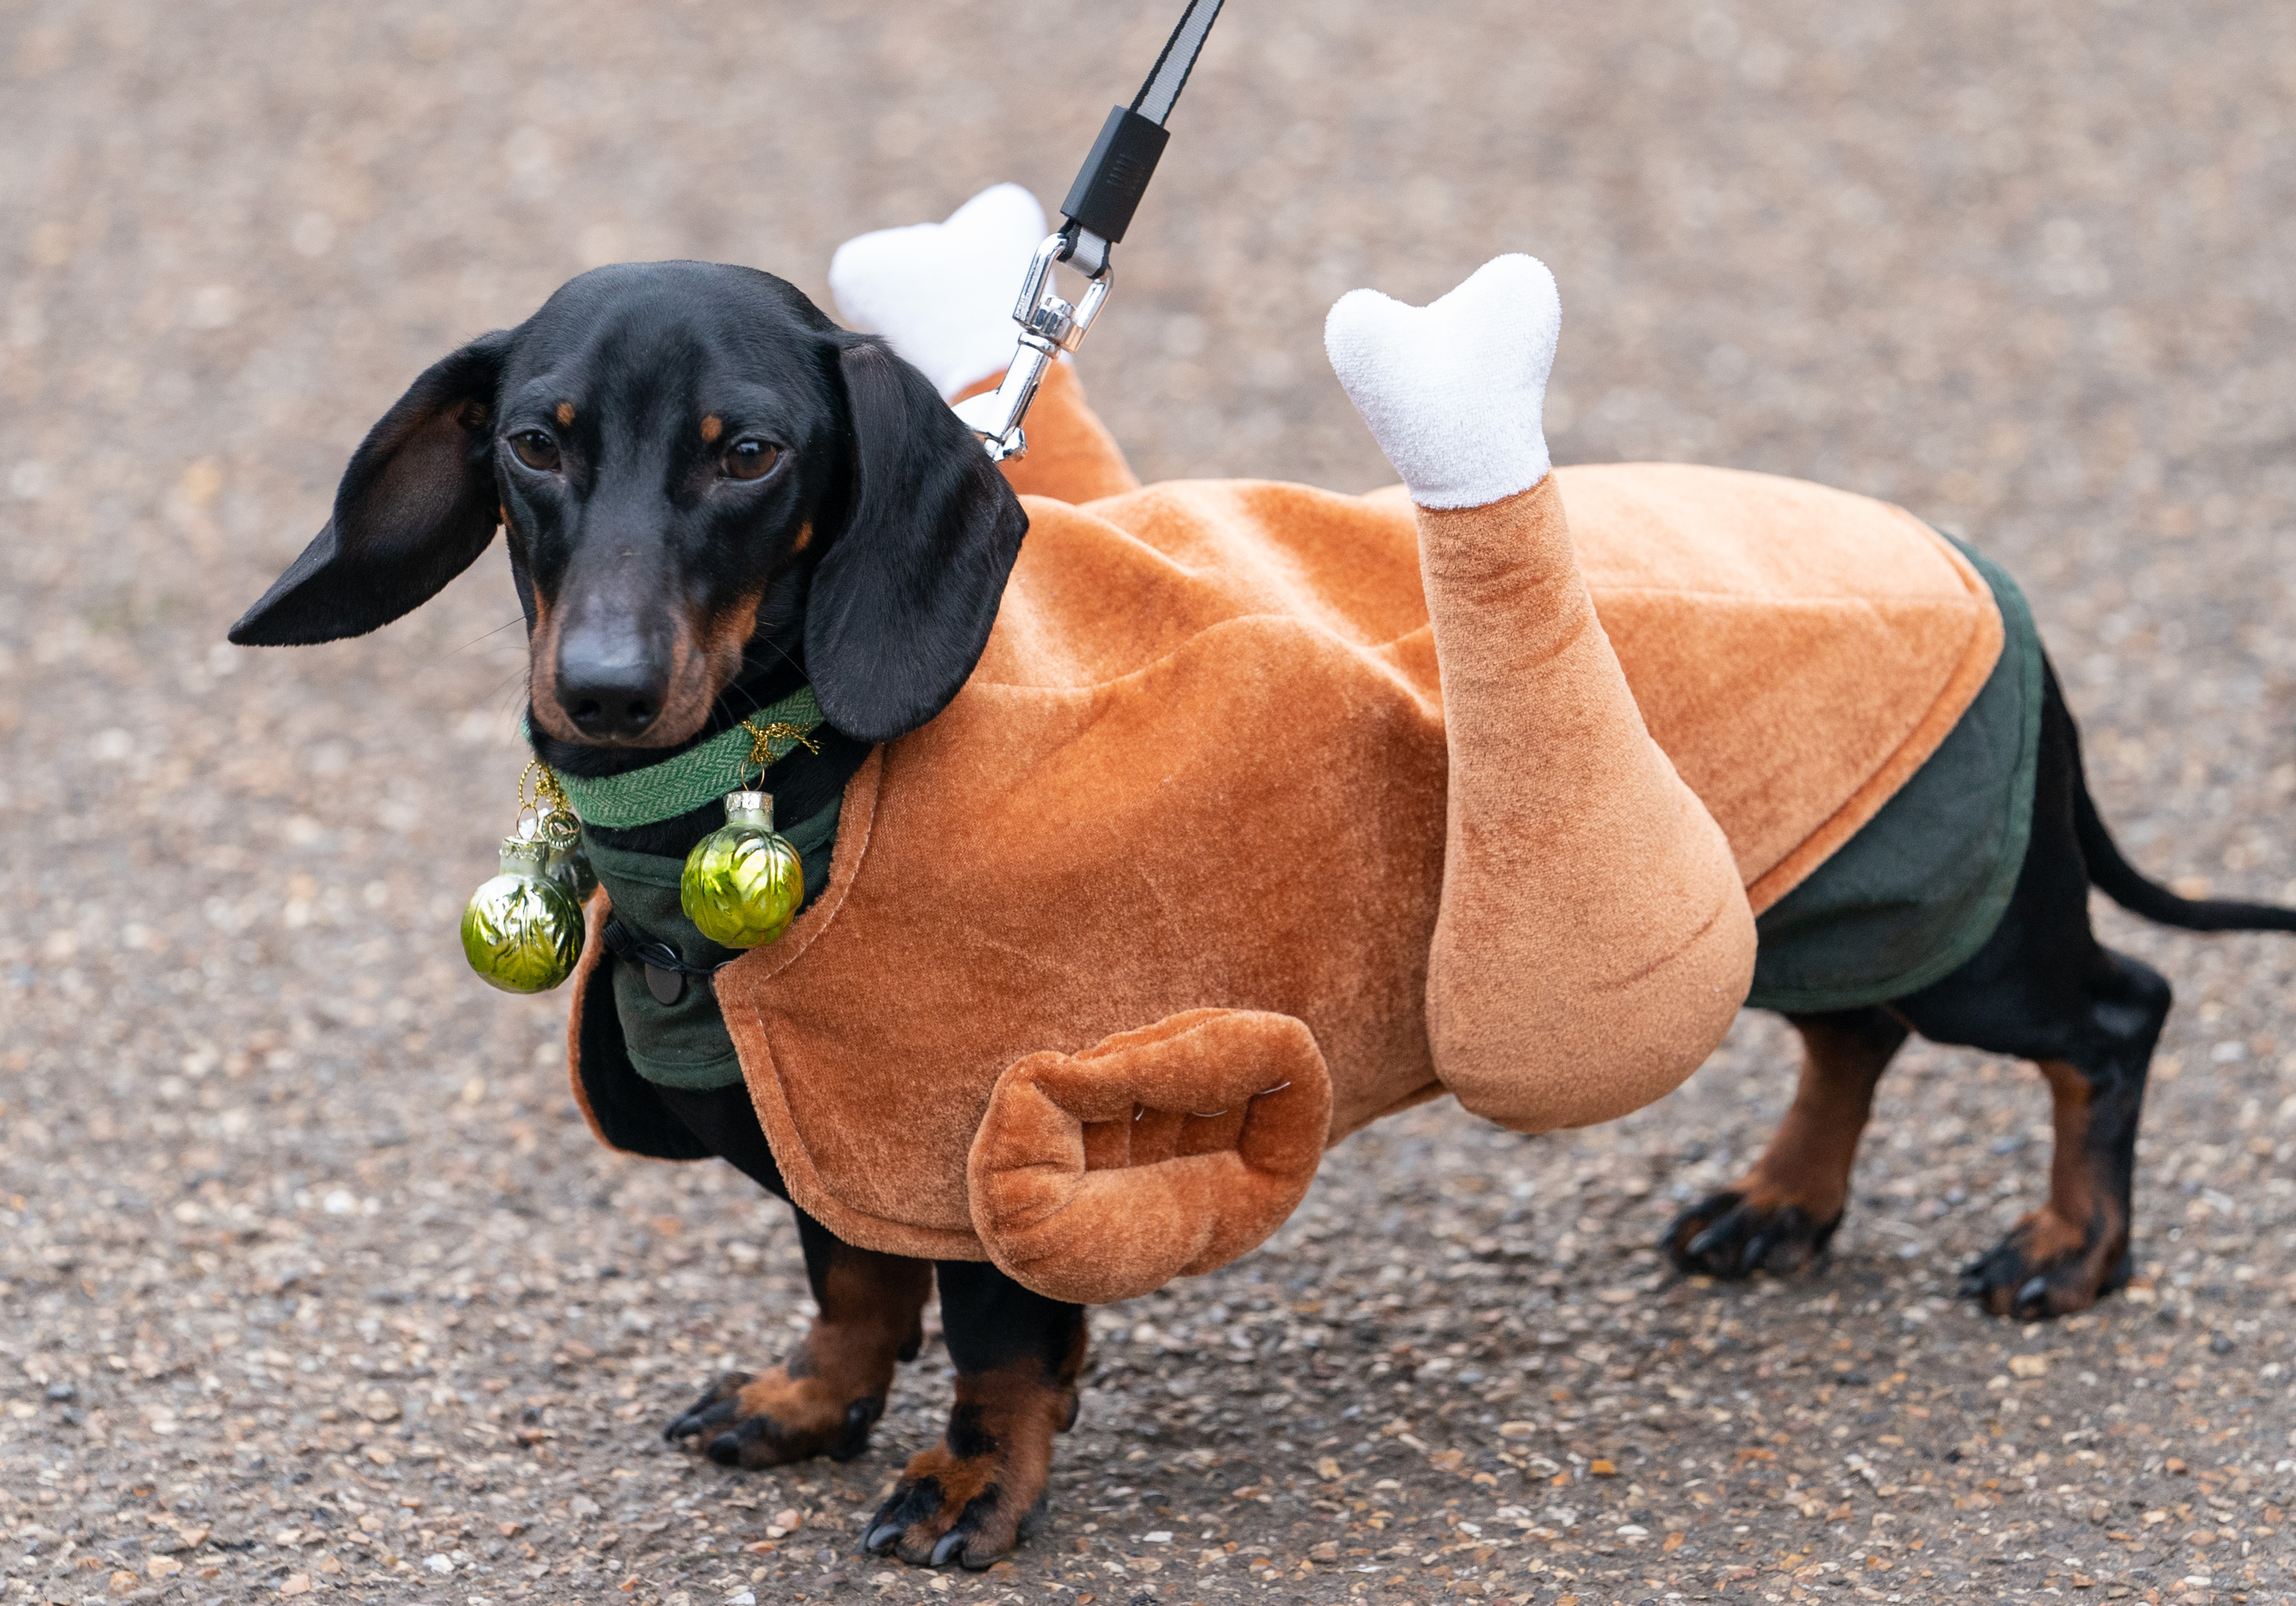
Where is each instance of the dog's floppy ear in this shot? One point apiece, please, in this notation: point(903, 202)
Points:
point(415, 507)
point(903, 600)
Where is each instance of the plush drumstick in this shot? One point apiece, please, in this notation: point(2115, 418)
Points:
point(1593, 938)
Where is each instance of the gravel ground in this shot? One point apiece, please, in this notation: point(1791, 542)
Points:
point(312, 1282)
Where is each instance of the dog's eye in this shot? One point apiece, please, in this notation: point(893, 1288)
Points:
point(749, 460)
point(536, 450)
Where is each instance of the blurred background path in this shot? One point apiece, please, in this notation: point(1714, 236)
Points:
point(311, 1279)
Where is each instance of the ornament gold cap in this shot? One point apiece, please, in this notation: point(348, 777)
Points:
point(746, 807)
point(524, 854)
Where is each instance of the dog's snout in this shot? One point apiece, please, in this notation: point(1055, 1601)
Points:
point(611, 689)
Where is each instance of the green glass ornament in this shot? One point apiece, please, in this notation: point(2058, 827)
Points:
point(520, 931)
point(742, 883)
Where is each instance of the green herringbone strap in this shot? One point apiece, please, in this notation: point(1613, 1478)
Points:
point(698, 776)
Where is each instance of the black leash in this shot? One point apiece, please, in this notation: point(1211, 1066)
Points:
point(1093, 218)
point(1108, 187)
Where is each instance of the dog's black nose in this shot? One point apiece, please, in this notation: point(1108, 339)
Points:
point(610, 695)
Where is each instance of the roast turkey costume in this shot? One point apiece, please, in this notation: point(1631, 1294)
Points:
point(1269, 811)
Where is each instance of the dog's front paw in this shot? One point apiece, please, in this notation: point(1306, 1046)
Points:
point(2047, 1266)
point(948, 1508)
point(774, 1418)
point(982, 1490)
point(1731, 1235)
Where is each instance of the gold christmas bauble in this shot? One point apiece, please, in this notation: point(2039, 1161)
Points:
point(520, 931)
point(742, 883)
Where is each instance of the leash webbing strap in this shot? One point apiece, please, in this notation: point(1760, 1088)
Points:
point(1108, 187)
point(1169, 76)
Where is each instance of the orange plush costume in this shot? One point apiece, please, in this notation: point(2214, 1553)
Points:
point(1268, 810)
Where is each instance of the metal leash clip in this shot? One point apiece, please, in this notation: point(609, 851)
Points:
point(1095, 214)
point(1049, 325)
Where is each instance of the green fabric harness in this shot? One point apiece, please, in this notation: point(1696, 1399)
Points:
point(685, 1044)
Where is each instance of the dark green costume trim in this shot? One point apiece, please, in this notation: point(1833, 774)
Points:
point(1916, 891)
point(685, 1044)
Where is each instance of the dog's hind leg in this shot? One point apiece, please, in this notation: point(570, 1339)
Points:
point(2074, 1249)
point(823, 1395)
point(981, 1491)
point(2043, 988)
point(1783, 1213)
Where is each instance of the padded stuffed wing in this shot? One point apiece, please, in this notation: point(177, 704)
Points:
point(1161, 1153)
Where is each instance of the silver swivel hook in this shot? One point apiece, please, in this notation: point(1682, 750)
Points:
point(1095, 214)
point(1049, 325)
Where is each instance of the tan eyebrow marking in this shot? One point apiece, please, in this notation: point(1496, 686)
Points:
point(804, 538)
point(712, 426)
point(565, 414)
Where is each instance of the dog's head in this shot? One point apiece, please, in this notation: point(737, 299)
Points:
point(700, 476)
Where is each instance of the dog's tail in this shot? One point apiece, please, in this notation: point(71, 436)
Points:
point(2130, 888)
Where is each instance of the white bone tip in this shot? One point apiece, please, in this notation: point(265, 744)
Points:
point(1453, 391)
point(943, 293)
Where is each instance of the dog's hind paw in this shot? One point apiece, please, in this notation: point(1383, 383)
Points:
point(2047, 1267)
point(770, 1421)
point(1731, 1236)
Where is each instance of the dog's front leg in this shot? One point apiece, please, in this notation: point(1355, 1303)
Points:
point(823, 1395)
point(981, 1490)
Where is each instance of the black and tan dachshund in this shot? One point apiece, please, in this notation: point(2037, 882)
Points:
point(711, 494)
